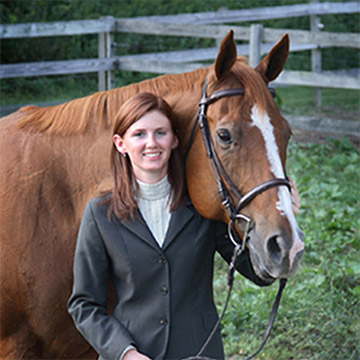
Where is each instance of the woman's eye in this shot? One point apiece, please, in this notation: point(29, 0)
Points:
point(139, 134)
point(161, 132)
point(224, 136)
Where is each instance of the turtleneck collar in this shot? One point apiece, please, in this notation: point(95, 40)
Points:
point(155, 191)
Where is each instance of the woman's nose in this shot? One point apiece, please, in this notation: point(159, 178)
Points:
point(151, 141)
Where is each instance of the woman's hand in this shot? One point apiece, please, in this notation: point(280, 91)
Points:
point(295, 198)
point(133, 354)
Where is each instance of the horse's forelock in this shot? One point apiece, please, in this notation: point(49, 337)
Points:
point(243, 75)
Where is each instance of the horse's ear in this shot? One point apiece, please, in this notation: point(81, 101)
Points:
point(227, 55)
point(272, 65)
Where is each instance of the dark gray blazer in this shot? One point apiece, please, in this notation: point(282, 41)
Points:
point(165, 303)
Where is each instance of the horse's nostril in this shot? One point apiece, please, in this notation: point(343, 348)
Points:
point(274, 248)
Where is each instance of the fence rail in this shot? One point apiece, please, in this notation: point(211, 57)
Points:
point(83, 27)
point(132, 63)
point(200, 25)
point(300, 40)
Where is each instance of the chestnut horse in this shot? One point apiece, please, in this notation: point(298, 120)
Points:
point(55, 159)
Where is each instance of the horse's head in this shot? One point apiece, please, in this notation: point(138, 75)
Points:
point(250, 139)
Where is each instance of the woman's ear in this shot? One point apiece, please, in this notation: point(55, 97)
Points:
point(175, 143)
point(119, 144)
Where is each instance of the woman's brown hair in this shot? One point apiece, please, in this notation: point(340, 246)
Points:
point(123, 197)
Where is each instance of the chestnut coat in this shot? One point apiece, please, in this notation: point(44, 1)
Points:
point(165, 305)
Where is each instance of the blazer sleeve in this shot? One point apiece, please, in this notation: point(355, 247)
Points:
point(243, 264)
point(88, 302)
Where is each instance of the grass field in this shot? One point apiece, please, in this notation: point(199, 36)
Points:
point(336, 103)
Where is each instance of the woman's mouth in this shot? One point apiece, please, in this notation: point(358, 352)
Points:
point(152, 155)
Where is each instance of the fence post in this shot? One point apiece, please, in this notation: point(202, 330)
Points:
point(315, 26)
point(256, 31)
point(106, 39)
point(219, 39)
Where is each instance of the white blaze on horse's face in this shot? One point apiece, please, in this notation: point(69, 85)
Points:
point(261, 120)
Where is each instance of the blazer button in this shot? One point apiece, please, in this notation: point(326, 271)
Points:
point(163, 321)
point(161, 260)
point(164, 290)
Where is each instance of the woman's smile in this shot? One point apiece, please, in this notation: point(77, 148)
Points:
point(153, 155)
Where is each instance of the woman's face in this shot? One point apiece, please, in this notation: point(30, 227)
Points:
point(148, 143)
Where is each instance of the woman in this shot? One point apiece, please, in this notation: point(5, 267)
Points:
point(149, 241)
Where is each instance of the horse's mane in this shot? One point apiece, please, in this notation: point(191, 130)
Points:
point(100, 108)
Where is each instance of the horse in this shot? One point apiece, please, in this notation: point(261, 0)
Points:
point(55, 159)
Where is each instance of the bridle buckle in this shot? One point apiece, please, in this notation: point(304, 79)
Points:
point(233, 234)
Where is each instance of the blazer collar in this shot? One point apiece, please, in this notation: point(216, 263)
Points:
point(179, 218)
point(139, 228)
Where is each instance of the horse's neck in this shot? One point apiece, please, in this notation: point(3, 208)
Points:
point(185, 106)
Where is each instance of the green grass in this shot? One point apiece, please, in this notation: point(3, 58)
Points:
point(41, 90)
point(336, 103)
point(23, 91)
point(319, 317)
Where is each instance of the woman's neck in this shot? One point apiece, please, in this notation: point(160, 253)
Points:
point(149, 178)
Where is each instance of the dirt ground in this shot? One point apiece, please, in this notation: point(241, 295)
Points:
point(329, 113)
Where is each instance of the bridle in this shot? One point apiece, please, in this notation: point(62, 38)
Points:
point(221, 175)
point(233, 211)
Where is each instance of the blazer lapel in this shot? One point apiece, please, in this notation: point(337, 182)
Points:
point(179, 218)
point(139, 228)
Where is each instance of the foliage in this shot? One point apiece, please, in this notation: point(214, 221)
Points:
point(85, 46)
point(319, 316)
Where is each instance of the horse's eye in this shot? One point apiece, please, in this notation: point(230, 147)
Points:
point(224, 136)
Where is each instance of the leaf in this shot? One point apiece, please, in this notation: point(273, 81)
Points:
point(356, 291)
point(353, 268)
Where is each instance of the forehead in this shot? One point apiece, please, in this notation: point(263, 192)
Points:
point(151, 120)
point(243, 77)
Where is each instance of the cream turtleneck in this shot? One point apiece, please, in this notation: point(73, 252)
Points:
point(153, 203)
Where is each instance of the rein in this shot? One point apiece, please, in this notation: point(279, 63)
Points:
point(233, 211)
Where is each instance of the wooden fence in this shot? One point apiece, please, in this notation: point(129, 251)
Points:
point(200, 25)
